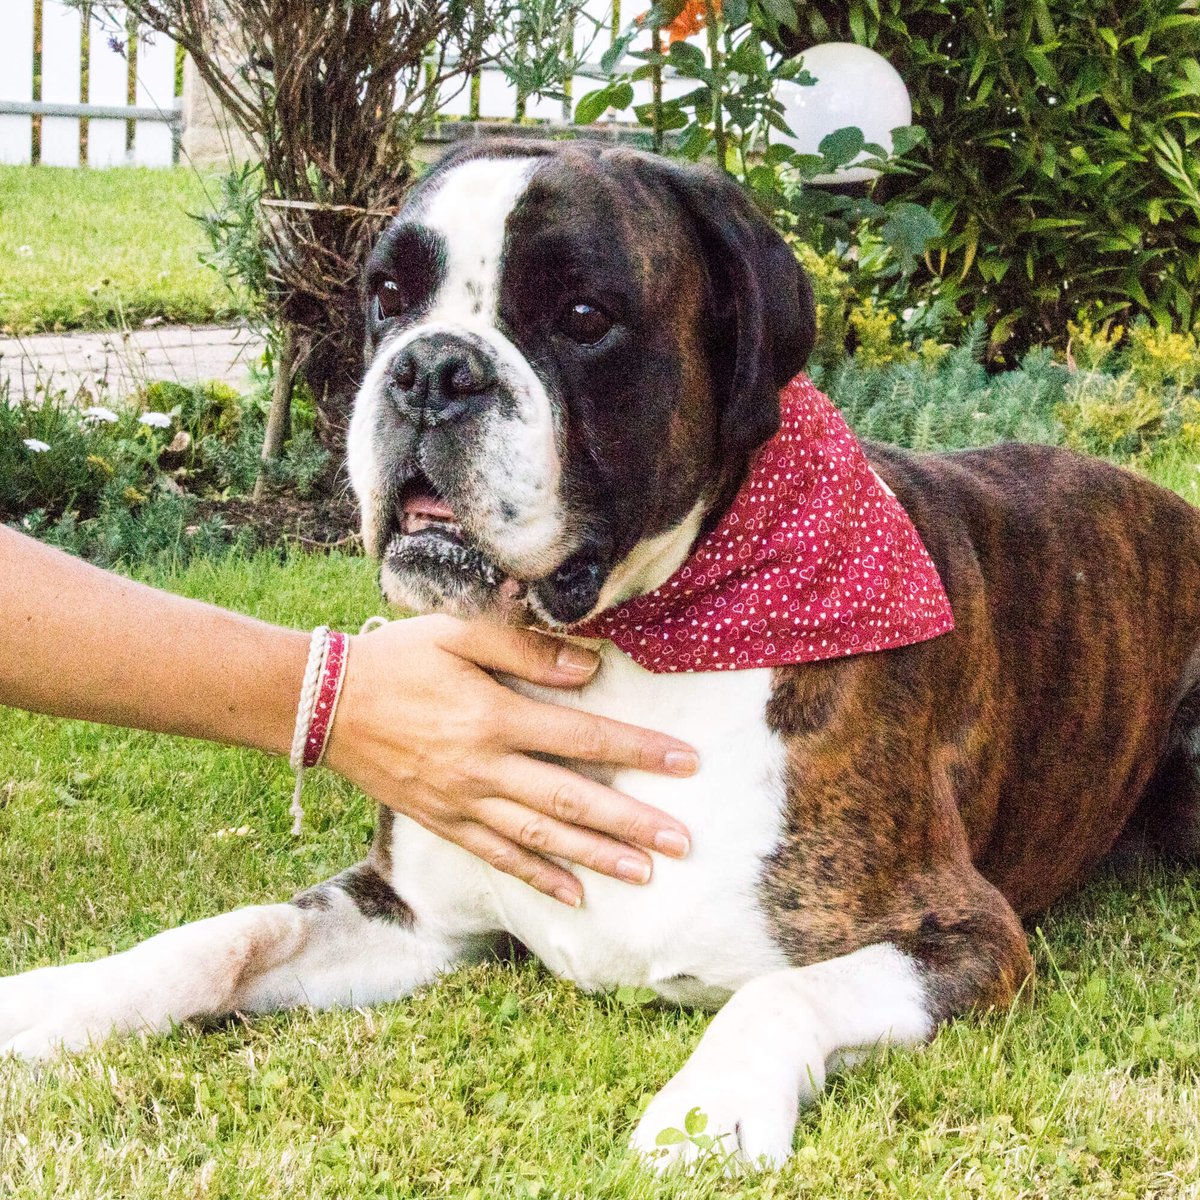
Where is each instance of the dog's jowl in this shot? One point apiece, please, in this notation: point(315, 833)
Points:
point(583, 373)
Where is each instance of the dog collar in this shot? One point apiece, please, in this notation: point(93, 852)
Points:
point(815, 559)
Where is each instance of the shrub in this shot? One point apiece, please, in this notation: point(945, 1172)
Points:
point(1062, 139)
point(732, 116)
point(1136, 404)
point(124, 484)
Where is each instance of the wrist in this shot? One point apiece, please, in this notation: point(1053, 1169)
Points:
point(341, 738)
point(271, 708)
point(324, 673)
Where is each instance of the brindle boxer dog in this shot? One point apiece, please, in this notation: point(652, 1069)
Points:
point(574, 353)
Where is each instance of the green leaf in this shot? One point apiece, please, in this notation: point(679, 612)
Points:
point(842, 146)
point(695, 1122)
point(622, 95)
point(687, 59)
point(1042, 66)
point(909, 229)
point(613, 55)
point(673, 117)
point(784, 12)
point(593, 105)
point(906, 138)
point(670, 1137)
point(778, 153)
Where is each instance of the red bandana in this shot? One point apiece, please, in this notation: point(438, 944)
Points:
point(815, 559)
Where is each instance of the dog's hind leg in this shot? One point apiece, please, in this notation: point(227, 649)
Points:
point(350, 941)
point(1166, 823)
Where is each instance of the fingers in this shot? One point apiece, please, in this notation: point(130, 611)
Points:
point(585, 737)
point(545, 835)
point(505, 855)
point(536, 657)
point(568, 815)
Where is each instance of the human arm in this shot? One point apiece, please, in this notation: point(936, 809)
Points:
point(79, 642)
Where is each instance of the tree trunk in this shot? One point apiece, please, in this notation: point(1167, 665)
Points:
point(281, 408)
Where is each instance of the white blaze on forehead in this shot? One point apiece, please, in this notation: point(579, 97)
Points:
point(470, 208)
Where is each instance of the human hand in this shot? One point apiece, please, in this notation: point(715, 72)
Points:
point(423, 728)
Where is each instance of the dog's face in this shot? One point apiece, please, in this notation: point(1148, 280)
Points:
point(572, 354)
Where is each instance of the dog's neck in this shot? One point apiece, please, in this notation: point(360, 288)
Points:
point(653, 560)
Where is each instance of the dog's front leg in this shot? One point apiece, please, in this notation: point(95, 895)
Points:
point(351, 941)
point(768, 1050)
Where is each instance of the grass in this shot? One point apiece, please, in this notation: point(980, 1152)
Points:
point(502, 1082)
point(83, 249)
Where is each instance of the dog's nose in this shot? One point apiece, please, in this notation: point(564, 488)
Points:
point(441, 379)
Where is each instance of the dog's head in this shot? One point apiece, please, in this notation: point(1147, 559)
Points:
point(573, 352)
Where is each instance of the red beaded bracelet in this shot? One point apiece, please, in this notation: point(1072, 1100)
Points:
point(319, 694)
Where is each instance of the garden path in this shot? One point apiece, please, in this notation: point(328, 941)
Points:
point(114, 363)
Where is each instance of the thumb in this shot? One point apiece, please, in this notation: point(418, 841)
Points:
point(525, 653)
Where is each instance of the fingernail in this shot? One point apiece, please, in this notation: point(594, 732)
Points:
point(633, 870)
point(682, 762)
point(569, 898)
point(667, 841)
point(576, 659)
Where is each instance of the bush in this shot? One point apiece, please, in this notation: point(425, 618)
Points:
point(733, 117)
point(126, 484)
point(1135, 405)
point(1061, 152)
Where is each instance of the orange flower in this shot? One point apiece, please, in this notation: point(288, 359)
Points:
point(691, 19)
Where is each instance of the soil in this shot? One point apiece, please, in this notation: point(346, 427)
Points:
point(320, 523)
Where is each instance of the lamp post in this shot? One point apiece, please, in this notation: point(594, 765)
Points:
point(854, 86)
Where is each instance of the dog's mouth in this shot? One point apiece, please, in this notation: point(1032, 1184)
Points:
point(428, 542)
point(427, 539)
point(422, 509)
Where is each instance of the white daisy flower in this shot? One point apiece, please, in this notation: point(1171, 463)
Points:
point(98, 413)
point(36, 445)
point(155, 420)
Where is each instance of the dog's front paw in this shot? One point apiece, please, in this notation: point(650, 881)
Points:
point(730, 1112)
point(55, 1008)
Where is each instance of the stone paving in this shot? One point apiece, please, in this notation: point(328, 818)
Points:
point(116, 363)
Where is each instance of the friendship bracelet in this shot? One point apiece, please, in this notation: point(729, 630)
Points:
point(319, 694)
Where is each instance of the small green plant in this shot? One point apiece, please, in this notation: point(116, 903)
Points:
point(122, 484)
point(715, 1149)
point(1062, 152)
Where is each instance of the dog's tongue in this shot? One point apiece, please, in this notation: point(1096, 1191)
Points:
point(429, 506)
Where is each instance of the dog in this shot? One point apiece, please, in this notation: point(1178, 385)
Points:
point(575, 354)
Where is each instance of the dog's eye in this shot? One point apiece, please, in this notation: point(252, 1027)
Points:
point(584, 323)
point(389, 300)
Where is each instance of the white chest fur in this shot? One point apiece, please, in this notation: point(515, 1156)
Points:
point(696, 932)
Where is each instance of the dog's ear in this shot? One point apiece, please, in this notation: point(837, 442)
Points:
point(763, 320)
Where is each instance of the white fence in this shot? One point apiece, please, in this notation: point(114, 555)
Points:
point(127, 115)
point(131, 113)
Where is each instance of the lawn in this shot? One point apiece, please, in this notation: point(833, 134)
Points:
point(83, 249)
point(502, 1081)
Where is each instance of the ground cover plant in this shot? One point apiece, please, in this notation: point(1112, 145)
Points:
point(84, 249)
point(162, 476)
point(502, 1082)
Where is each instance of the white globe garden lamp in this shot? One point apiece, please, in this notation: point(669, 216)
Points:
point(855, 86)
